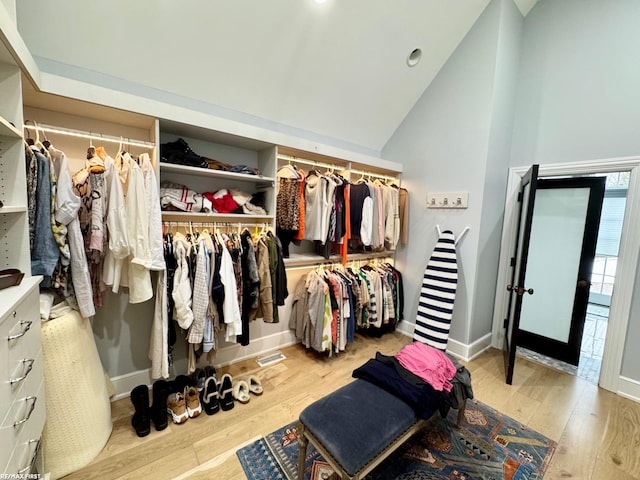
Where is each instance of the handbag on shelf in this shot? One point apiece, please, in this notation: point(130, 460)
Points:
point(10, 278)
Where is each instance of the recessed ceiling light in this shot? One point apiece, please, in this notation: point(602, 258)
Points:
point(320, 1)
point(414, 57)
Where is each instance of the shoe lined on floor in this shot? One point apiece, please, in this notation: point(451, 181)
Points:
point(199, 376)
point(180, 383)
point(255, 386)
point(177, 408)
point(210, 396)
point(192, 400)
point(241, 391)
point(159, 404)
point(140, 420)
point(226, 392)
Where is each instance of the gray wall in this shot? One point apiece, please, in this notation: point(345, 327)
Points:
point(495, 180)
point(579, 96)
point(444, 145)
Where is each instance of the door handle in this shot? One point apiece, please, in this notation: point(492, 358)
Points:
point(519, 290)
point(584, 284)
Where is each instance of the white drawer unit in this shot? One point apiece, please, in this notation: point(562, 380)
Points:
point(22, 401)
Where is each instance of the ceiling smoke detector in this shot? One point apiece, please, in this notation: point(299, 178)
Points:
point(414, 57)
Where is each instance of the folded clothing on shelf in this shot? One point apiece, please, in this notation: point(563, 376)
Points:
point(222, 201)
point(182, 198)
point(174, 196)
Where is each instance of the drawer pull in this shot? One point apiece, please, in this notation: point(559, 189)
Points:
point(29, 465)
point(26, 325)
point(33, 405)
point(27, 361)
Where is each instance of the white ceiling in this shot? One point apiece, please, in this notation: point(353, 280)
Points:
point(335, 70)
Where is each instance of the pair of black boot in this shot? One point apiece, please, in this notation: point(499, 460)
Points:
point(179, 152)
point(156, 412)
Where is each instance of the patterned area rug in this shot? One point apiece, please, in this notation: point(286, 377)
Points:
point(487, 446)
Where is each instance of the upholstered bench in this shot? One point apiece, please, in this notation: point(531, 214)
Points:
point(356, 427)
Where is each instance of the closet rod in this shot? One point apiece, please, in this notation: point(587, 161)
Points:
point(89, 135)
point(215, 224)
point(377, 175)
point(311, 162)
point(331, 264)
point(300, 264)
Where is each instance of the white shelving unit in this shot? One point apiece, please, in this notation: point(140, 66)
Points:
point(22, 399)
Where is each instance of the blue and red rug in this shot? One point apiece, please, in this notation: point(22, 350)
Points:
point(487, 446)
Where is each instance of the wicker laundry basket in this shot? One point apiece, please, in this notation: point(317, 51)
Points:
point(78, 410)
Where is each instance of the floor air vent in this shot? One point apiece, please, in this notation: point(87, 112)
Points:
point(270, 359)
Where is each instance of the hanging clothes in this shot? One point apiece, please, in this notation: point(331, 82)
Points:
point(250, 284)
point(140, 289)
point(118, 243)
point(230, 306)
point(265, 306)
point(287, 206)
point(403, 206)
point(328, 306)
point(68, 205)
point(316, 203)
point(181, 292)
point(45, 251)
point(155, 214)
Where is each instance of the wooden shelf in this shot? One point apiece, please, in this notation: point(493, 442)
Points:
point(207, 172)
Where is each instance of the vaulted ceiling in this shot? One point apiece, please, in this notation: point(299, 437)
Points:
point(337, 69)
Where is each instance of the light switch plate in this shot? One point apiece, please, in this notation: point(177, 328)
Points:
point(448, 200)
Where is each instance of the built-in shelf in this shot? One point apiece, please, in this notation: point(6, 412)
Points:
point(211, 173)
point(215, 217)
point(8, 130)
point(10, 209)
point(307, 260)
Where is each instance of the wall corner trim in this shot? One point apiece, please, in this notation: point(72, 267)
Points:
point(629, 388)
point(468, 352)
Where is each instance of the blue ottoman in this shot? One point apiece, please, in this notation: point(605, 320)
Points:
point(355, 428)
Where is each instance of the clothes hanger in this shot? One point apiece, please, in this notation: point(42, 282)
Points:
point(290, 168)
point(38, 144)
point(27, 135)
point(91, 151)
point(45, 143)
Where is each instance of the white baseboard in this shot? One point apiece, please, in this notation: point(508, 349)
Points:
point(406, 328)
point(463, 351)
point(236, 353)
point(123, 384)
point(467, 352)
point(629, 388)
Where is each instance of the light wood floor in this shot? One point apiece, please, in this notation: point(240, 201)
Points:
point(598, 433)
